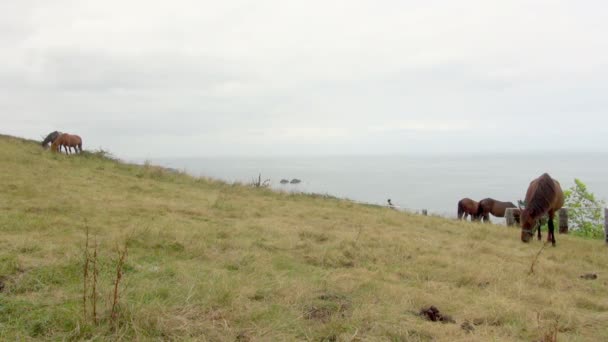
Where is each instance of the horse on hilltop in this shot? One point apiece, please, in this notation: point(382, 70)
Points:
point(50, 138)
point(544, 196)
point(489, 206)
point(466, 207)
point(67, 141)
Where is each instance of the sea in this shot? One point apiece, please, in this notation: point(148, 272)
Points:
point(414, 183)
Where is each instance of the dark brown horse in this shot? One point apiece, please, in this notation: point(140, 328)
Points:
point(50, 138)
point(489, 206)
point(544, 196)
point(466, 207)
point(67, 141)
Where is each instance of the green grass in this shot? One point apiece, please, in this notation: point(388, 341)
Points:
point(221, 262)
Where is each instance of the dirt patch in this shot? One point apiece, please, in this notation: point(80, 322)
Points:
point(326, 306)
point(243, 337)
point(433, 314)
point(258, 296)
point(483, 284)
point(467, 326)
point(332, 296)
point(479, 321)
point(2, 284)
point(589, 276)
point(495, 322)
point(317, 237)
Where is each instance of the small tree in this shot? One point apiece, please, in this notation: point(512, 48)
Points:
point(585, 211)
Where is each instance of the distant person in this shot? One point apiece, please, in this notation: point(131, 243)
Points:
point(390, 204)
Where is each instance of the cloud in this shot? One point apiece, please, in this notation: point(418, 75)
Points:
point(274, 77)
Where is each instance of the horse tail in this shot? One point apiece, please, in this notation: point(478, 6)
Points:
point(543, 196)
point(460, 209)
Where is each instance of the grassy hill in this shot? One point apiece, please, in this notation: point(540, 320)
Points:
point(220, 262)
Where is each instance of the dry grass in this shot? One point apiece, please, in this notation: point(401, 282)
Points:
point(213, 261)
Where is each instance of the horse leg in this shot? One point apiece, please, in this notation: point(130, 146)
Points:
point(538, 226)
point(551, 236)
point(486, 218)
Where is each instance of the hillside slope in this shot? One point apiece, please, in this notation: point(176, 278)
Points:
point(213, 261)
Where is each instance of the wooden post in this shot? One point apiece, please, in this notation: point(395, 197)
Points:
point(510, 217)
point(606, 225)
point(563, 221)
point(424, 212)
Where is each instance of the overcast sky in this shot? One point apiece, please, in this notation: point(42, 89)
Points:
point(149, 79)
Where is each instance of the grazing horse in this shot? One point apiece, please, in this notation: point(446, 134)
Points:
point(489, 206)
point(466, 207)
point(544, 196)
point(67, 140)
point(50, 138)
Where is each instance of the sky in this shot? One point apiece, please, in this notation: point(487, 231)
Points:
point(155, 79)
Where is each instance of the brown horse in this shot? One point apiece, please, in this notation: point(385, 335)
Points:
point(466, 207)
point(544, 196)
point(67, 141)
point(489, 206)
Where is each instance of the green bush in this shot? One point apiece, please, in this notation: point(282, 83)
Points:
point(585, 214)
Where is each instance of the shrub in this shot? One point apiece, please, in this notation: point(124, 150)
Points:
point(585, 212)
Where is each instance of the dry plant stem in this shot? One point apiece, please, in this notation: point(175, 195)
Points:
point(95, 273)
point(85, 275)
point(555, 329)
point(119, 264)
point(359, 234)
point(536, 258)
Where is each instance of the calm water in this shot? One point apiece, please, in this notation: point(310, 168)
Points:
point(433, 183)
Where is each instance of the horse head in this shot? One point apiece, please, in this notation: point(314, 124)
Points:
point(527, 225)
point(50, 138)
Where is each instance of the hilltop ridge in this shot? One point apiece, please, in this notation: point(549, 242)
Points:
point(214, 261)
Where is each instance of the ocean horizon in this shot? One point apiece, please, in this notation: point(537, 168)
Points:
point(435, 183)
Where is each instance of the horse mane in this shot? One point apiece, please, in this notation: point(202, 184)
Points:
point(542, 197)
point(51, 137)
